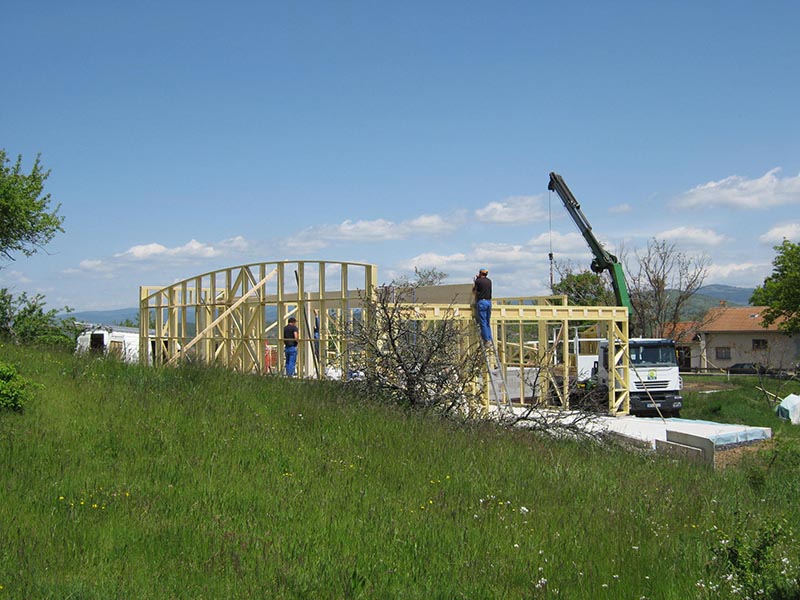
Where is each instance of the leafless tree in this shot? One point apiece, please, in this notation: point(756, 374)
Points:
point(561, 424)
point(419, 363)
point(661, 285)
point(440, 365)
point(576, 416)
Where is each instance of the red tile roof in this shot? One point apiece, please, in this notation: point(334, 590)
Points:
point(682, 332)
point(736, 318)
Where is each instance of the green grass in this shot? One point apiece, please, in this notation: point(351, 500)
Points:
point(129, 482)
point(743, 403)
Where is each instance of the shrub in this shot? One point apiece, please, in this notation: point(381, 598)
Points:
point(24, 320)
point(760, 564)
point(15, 390)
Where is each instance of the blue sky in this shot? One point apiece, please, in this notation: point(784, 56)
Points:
point(188, 136)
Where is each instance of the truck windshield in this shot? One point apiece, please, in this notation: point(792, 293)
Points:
point(654, 356)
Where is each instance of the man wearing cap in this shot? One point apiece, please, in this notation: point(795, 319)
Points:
point(290, 337)
point(483, 303)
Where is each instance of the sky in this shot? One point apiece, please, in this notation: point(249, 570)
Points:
point(184, 137)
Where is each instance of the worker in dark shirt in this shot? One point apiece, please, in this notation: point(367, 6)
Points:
point(290, 336)
point(483, 303)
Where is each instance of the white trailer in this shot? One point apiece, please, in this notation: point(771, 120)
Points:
point(122, 342)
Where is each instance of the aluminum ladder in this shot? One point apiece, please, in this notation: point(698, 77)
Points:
point(496, 377)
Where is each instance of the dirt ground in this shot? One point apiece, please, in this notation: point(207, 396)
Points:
point(706, 386)
point(733, 456)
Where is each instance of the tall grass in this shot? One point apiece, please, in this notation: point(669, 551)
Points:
point(127, 482)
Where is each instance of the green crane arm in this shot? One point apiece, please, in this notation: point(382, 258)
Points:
point(603, 260)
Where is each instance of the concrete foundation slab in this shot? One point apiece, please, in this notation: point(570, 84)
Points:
point(649, 430)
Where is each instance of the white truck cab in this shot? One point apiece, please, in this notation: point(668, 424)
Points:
point(654, 381)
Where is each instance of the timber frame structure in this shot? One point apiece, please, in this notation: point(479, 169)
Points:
point(234, 317)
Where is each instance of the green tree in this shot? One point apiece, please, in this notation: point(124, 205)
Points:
point(584, 288)
point(26, 220)
point(424, 277)
point(24, 320)
point(432, 276)
point(780, 292)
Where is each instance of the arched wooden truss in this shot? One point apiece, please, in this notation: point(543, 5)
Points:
point(234, 317)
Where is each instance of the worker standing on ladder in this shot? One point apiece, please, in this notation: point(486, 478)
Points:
point(483, 303)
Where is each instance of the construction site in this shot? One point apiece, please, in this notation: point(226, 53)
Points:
point(541, 350)
point(234, 318)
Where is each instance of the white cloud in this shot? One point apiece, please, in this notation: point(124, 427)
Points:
point(693, 235)
point(565, 247)
point(564, 242)
point(524, 280)
point(153, 256)
point(14, 276)
point(192, 249)
point(738, 273)
point(620, 209)
point(502, 260)
point(431, 260)
point(318, 237)
point(776, 235)
point(95, 265)
point(488, 254)
point(95, 268)
point(516, 210)
point(376, 230)
point(738, 192)
point(143, 251)
point(236, 244)
point(429, 224)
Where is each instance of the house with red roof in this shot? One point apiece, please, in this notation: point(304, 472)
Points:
point(687, 343)
point(736, 334)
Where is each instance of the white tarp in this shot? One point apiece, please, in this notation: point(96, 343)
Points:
point(789, 409)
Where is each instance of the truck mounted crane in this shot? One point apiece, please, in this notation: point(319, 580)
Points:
point(603, 260)
point(654, 383)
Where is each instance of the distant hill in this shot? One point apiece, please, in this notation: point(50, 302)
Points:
point(710, 296)
point(105, 317)
point(115, 317)
point(730, 294)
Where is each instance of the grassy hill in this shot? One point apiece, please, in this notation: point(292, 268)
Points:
point(128, 482)
point(712, 295)
point(736, 296)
